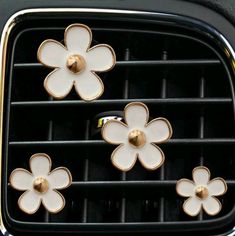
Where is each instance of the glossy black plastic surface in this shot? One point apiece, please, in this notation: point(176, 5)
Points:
point(180, 74)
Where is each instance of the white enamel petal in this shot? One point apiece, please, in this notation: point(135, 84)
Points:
point(89, 86)
point(201, 175)
point(60, 178)
point(29, 202)
point(211, 205)
point(40, 164)
point(78, 38)
point(136, 115)
point(59, 83)
point(158, 130)
point(53, 201)
point(115, 132)
point(52, 53)
point(21, 179)
point(192, 206)
point(124, 157)
point(217, 187)
point(100, 58)
point(185, 188)
point(151, 156)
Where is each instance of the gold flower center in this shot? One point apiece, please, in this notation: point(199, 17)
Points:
point(137, 138)
point(41, 185)
point(76, 63)
point(202, 192)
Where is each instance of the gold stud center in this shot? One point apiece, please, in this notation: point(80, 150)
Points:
point(76, 63)
point(137, 138)
point(202, 192)
point(41, 185)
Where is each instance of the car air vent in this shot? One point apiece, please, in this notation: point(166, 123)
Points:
point(178, 72)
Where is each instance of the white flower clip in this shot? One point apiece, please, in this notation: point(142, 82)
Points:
point(41, 185)
point(137, 138)
point(75, 63)
point(201, 192)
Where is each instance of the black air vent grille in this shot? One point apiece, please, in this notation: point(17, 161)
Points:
point(179, 74)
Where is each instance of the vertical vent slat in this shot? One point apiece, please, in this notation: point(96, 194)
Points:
point(125, 96)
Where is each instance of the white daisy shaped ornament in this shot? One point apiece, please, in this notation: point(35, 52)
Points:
point(137, 138)
point(201, 192)
point(75, 63)
point(40, 185)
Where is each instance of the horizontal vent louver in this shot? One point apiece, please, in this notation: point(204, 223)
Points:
point(177, 73)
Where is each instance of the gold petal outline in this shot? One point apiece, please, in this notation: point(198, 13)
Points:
point(42, 45)
point(119, 167)
point(95, 97)
point(75, 25)
point(201, 167)
point(50, 92)
point(169, 127)
point(220, 207)
point(107, 123)
point(67, 171)
point(24, 210)
point(112, 52)
point(60, 209)
point(187, 212)
point(224, 182)
point(159, 165)
point(37, 155)
point(136, 104)
point(183, 180)
point(11, 176)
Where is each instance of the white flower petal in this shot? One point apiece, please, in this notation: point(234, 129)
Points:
point(21, 179)
point(136, 115)
point(124, 157)
point(40, 164)
point(158, 130)
point(53, 201)
point(201, 175)
point(89, 86)
point(211, 205)
point(185, 188)
point(192, 206)
point(151, 156)
point(78, 38)
point(29, 202)
point(100, 58)
point(60, 178)
point(59, 83)
point(115, 132)
point(217, 187)
point(52, 53)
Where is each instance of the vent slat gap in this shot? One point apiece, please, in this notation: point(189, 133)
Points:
point(86, 173)
point(201, 129)
point(162, 170)
point(125, 96)
point(47, 217)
